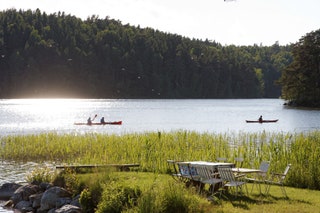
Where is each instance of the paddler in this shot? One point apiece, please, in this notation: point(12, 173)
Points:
point(89, 121)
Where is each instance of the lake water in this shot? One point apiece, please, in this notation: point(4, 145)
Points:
point(33, 116)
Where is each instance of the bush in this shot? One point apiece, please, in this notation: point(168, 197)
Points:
point(176, 200)
point(117, 197)
point(41, 175)
point(68, 179)
point(90, 197)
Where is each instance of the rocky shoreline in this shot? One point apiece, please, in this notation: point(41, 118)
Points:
point(40, 198)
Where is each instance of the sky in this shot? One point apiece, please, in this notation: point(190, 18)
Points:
point(237, 22)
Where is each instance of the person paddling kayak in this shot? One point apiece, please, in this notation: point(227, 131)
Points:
point(89, 121)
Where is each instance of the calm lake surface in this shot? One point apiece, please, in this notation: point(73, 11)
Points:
point(34, 116)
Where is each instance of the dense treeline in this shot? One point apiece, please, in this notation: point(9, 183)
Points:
point(301, 79)
point(61, 55)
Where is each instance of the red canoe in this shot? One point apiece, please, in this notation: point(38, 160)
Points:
point(105, 123)
point(263, 121)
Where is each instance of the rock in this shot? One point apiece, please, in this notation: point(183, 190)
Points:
point(50, 211)
point(23, 193)
point(24, 206)
point(61, 201)
point(68, 209)
point(75, 201)
point(8, 204)
point(7, 190)
point(51, 197)
point(36, 200)
point(45, 186)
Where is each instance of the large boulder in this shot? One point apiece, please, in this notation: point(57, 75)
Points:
point(36, 200)
point(7, 190)
point(52, 197)
point(23, 193)
point(24, 206)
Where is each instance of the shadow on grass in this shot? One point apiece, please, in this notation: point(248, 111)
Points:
point(244, 202)
point(241, 201)
point(287, 199)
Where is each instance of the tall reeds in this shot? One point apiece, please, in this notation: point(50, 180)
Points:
point(152, 150)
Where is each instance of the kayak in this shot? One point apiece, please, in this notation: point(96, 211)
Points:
point(263, 121)
point(104, 123)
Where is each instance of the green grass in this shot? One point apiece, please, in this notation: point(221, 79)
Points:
point(160, 193)
point(152, 150)
point(157, 188)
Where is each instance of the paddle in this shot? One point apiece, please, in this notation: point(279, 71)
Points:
point(94, 117)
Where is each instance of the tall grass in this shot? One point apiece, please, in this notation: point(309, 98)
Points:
point(152, 150)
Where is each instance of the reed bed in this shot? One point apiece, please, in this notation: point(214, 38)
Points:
point(152, 150)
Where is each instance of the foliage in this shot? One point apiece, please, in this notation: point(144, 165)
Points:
point(41, 175)
point(68, 180)
point(301, 79)
point(59, 55)
point(152, 150)
point(117, 197)
point(154, 192)
point(86, 201)
point(93, 186)
point(176, 200)
point(90, 198)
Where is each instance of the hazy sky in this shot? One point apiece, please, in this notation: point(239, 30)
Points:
point(240, 22)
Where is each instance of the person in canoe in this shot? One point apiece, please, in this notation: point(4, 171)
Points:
point(260, 119)
point(89, 121)
point(102, 120)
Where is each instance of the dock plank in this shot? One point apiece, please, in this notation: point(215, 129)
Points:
point(121, 167)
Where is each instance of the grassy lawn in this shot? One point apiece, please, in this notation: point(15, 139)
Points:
point(299, 200)
point(159, 192)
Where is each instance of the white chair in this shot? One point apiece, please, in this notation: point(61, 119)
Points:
point(173, 169)
point(239, 162)
point(278, 179)
point(222, 159)
point(259, 177)
point(206, 176)
point(227, 175)
point(188, 174)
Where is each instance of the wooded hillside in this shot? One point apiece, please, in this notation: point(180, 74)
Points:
point(59, 55)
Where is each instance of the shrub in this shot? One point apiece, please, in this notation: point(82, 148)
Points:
point(117, 197)
point(68, 179)
point(147, 202)
point(90, 197)
point(40, 175)
point(176, 200)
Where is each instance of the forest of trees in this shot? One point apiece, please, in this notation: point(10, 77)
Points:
point(59, 55)
point(301, 79)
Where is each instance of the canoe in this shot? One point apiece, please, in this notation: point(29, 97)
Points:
point(263, 121)
point(105, 123)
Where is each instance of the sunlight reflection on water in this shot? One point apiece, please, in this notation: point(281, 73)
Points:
point(33, 116)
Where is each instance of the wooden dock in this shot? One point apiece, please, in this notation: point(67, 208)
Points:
point(120, 167)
